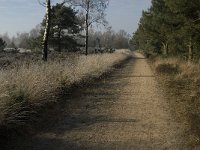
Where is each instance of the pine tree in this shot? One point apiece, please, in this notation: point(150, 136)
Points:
point(64, 26)
point(2, 44)
point(171, 28)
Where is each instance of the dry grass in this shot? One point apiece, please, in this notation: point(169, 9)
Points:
point(181, 70)
point(182, 82)
point(166, 66)
point(27, 84)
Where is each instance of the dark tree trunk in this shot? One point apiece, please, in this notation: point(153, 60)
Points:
point(190, 50)
point(87, 28)
point(59, 40)
point(46, 32)
point(165, 48)
point(86, 42)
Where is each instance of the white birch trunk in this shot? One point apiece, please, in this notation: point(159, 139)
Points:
point(47, 29)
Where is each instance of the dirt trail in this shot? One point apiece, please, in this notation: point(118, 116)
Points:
point(126, 110)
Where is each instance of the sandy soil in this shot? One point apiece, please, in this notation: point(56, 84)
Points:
point(126, 110)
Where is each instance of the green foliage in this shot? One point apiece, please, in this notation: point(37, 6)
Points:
point(2, 44)
point(34, 43)
point(64, 28)
point(169, 27)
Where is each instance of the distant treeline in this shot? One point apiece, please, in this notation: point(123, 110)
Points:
point(109, 39)
point(171, 28)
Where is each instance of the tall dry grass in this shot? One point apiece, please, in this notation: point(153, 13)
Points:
point(181, 80)
point(180, 69)
point(28, 84)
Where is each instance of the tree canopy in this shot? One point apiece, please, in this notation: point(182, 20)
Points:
point(93, 12)
point(170, 27)
point(64, 27)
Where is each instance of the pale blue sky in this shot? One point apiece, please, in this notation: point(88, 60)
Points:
point(23, 15)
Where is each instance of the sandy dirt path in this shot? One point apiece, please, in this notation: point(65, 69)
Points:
point(126, 110)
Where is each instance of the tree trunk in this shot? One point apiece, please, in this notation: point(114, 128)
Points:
point(59, 40)
point(165, 47)
point(190, 50)
point(86, 41)
point(47, 29)
point(87, 28)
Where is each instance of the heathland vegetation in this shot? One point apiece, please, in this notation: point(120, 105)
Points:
point(27, 84)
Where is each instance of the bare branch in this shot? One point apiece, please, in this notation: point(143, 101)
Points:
point(43, 4)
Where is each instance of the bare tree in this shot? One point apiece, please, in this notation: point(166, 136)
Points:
point(109, 39)
point(94, 12)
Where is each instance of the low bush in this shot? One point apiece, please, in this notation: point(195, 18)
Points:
point(166, 66)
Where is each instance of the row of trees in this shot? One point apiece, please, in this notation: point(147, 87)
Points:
point(170, 27)
point(63, 39)
point(27, 40)
point(109, 39)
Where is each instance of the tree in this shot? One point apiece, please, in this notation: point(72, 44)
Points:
point(12, 45)
point(35, 38)
point(22, 40)
point(158, 29)
point(109, 39)
point(121, 40)
point(27, 40)
point(64, 27)
point(171, 28)
point(2, 44)
point(94, 12)
point(147, 37)
point(159, 22)
point(6, 38)
point(189, 11)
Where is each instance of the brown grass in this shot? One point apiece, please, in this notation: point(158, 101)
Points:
point(182, 82)
point(181, 70)
point(26, 84)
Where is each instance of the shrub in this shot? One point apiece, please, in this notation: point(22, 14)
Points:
point(167, 68)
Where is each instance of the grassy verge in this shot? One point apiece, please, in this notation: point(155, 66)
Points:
point(181, 79)
point(28, 85)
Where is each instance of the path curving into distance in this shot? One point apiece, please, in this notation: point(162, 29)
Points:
point(126, 110)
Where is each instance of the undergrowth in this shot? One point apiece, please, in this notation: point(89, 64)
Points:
point(182, 82)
